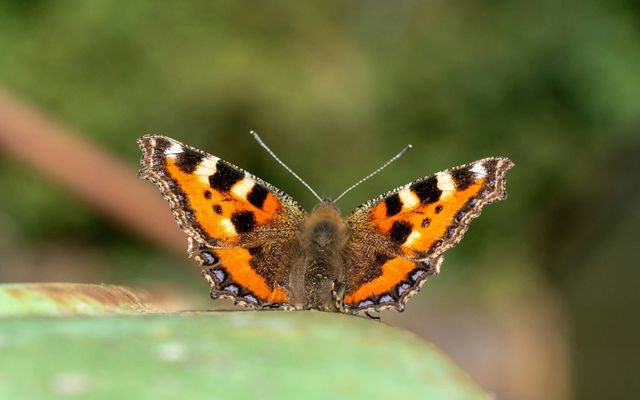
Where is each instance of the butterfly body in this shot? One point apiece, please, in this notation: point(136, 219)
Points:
point(259, 248)
point(322, 240)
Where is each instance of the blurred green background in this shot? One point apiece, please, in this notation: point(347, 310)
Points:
point(539, 299)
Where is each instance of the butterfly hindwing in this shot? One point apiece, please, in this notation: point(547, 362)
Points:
point(235, 221)
point(407, 230)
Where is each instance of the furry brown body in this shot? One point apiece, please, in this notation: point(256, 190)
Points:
point(322, 240)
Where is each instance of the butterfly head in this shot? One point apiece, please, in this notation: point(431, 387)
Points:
point(326, 206)
point(328, 200)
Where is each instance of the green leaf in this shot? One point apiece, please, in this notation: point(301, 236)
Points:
point(58, 299)
point(222, 355)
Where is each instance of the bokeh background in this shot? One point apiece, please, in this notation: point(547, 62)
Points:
point(538, 301)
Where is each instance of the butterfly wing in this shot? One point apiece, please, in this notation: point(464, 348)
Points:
point(397, 240)
point(240, 228)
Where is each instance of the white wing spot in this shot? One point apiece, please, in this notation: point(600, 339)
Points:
point(174, 149)
point(415, 235)
point(479, 170)
point(408, 198)
point(445, 184)
point(206, 168)
point(227, 226)
point(242, 188)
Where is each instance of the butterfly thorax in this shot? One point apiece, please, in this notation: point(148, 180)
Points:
point(322, 239)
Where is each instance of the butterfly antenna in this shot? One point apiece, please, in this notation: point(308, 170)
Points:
point(261, 143)
point(385, 165)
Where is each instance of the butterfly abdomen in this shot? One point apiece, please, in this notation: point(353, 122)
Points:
point(323, 237)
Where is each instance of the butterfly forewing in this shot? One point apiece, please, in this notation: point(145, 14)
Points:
point(236, 223)
point(410, 227)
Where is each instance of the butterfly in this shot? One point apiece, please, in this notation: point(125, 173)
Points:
point(261, 249)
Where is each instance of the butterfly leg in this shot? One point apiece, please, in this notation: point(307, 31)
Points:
point(277, 306)
point(338, 297)
point(377, 317)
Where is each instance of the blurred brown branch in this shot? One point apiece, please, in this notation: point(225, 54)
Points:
point(92, 174)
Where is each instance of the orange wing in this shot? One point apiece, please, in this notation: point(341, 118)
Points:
point(410, 227)
point(236, 223)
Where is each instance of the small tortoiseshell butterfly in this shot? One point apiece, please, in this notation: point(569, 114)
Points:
point(261, 249)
